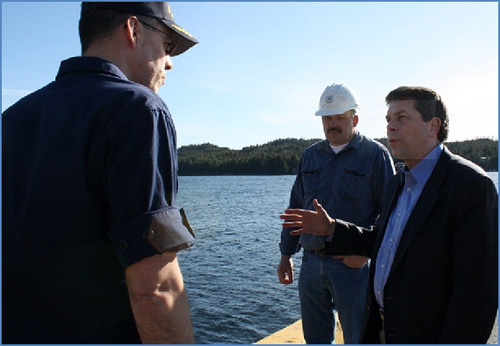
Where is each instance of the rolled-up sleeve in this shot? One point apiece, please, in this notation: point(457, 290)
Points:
point(134, 172)
point(153, 233)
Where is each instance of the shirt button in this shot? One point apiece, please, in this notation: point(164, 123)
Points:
point(123, 245)
point(382, 266)
point(149, 234)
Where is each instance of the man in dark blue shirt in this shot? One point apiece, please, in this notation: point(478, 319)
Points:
point(348, 173)
point(90, 229)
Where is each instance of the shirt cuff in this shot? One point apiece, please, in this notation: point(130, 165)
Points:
point(166, 230)
point(330, 237)
point(288, 249)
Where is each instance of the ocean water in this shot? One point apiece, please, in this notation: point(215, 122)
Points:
point(494, 177)
point(230, 274)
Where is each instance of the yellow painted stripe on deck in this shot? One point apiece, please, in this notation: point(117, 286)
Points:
point(293, 335)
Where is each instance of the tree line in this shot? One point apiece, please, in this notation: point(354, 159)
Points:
point(281, 157)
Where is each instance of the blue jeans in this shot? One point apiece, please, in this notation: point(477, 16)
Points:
point(325, 285)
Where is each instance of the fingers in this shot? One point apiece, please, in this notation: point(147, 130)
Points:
point(319, 208)
point(291, 220)
point(285, 271)
point(292, 214)
point(297, 231)
point(316, 204)
point(285, 278)
point(355, 262)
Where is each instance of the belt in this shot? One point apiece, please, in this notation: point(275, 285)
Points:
point(321, 252)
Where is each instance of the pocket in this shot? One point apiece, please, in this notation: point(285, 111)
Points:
point(355, 262)
point(352, 184)
point(311, 181)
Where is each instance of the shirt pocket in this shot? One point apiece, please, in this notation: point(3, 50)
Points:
point(352, 184)
point(311, 181)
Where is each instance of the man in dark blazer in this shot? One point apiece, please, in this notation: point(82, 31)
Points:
point(434, 247)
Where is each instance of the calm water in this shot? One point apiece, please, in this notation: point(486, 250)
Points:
point(230, 273)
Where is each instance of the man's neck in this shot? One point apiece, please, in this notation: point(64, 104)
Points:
point(411, 163)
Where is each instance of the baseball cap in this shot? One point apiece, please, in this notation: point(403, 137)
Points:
point(159, 10)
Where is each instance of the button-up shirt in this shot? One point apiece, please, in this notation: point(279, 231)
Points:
point(414, 182)
point(90, 161)
point(349, 184)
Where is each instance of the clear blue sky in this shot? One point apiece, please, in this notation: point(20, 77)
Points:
point(261, 67)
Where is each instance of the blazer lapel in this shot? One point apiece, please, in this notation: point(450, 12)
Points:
point(423, 207)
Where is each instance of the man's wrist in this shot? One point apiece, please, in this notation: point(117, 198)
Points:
point(287, 250)
point(329, 238)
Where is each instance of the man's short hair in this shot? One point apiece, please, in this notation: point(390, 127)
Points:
point(97, 24)
point(427, 102)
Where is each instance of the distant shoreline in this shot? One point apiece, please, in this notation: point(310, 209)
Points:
point(281, 157)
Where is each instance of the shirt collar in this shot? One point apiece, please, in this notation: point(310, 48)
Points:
point(424, 168)
point(353, 143)
point(81, 63)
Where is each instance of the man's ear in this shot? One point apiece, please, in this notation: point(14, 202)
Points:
point(435, 125)
point(131, 28)
point(355, 121)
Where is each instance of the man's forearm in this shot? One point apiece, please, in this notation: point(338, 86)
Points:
point(163, 318)
point(159, 300)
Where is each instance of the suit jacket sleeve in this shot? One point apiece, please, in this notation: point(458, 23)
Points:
point(350, 239)
point(474, 297)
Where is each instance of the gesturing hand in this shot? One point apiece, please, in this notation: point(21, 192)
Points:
point(313, 222)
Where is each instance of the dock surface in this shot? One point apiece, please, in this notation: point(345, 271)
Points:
point(293, 335)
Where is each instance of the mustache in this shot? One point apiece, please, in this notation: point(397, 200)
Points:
point(334, 129)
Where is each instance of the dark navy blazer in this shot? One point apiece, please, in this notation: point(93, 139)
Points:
point(443, 283)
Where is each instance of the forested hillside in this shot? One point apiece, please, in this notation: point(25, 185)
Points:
point(280, 157)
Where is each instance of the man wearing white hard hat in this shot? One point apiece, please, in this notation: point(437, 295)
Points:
point(347, 172)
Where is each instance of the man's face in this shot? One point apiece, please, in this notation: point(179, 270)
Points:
point(154, 58)
point(409, 136)
point(339, 128)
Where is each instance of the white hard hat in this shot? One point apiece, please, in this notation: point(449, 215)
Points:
point(337, 99)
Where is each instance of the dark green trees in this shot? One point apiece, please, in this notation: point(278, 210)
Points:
point(281, 157)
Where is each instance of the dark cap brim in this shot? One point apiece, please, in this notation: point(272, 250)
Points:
point(186, 40)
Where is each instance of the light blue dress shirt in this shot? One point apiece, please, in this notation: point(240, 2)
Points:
point(414, 182)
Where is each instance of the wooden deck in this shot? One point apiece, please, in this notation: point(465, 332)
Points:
point(293, 335)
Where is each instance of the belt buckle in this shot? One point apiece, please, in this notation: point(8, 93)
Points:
point(321, 252)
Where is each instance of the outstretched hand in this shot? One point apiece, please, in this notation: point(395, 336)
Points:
point(313, 222)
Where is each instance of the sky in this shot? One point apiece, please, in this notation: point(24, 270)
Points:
point(260, 67)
